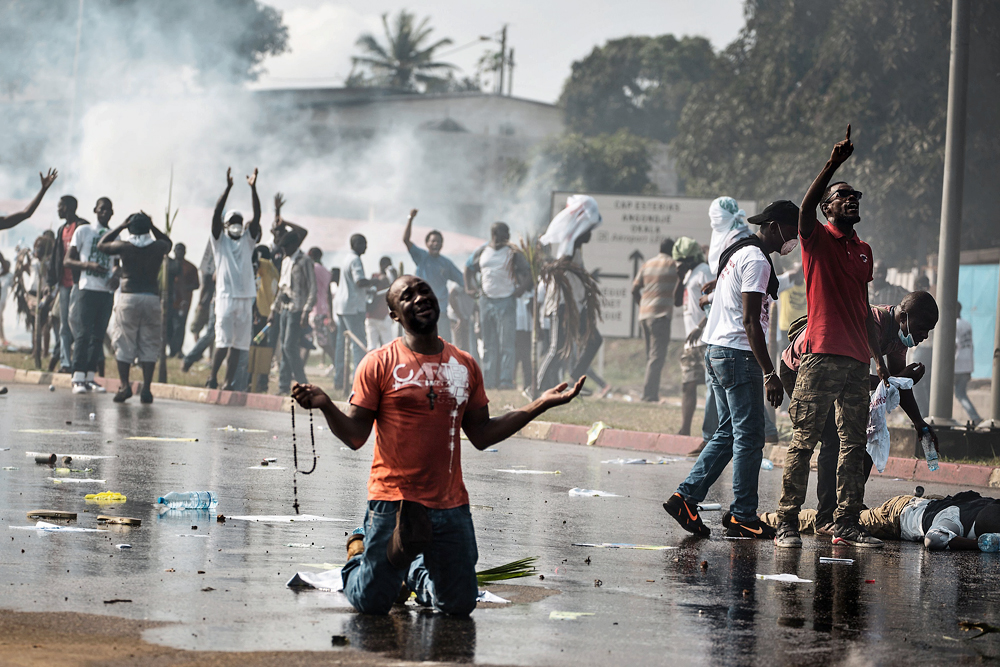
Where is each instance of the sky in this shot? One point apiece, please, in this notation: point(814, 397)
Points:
point(547, 35)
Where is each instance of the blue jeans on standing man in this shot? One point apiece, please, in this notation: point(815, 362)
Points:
point(737, 383)
point(443, 577)
point(69, 321)
point(498, 323)
point(356, 323)
point(291, 351)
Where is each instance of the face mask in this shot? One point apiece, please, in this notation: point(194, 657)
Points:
point(908, 338)
point(788, 246)
point(235, 230)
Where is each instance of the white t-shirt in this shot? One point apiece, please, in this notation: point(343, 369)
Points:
point(233, 266)
point(350, 299)
point(747, 271)
point(964, 360)
point(946, 524)
point(496, 268)
point(85, 240)
point(693, 282)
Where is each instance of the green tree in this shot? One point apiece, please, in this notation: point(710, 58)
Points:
point(637, 83)
point(616, 162)
point(405, 60)
point(798, 73)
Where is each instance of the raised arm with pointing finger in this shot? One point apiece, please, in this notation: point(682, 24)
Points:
point(14, 219)
point(254, 226)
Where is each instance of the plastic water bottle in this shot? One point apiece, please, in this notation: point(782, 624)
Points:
point(261, 335)
point(766, 464)
point(929, 452)
point(990, 542)
point(190, 500)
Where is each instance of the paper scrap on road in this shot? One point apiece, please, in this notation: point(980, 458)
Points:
point(153, 438)
point(80, 457)
point(568, 615)
point(592, 493)
point(594, 432)
point(486, 596)
point(190, 535)
point(787, 578)
point(321, 581)
point(845, 561)
point(238, 429)
point(53, 528)
point(123, 546)
point(266, 468)
point(76, 480)
point(529, 472)
point(289, 518)
point(623, 545)
point(303, 545)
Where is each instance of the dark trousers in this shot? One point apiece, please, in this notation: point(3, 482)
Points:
point(95, 313)
point(656, 333)
point(176, 322)
point(291, 354)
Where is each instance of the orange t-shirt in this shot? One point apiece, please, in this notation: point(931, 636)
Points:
point(418, 454)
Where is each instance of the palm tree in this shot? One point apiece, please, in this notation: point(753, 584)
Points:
point(405, 59)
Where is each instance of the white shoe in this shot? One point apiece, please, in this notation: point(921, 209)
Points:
point(96, 388)
point(80, 388)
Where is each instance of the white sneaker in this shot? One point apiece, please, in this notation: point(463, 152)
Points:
point(96, 388)
point(80, 388)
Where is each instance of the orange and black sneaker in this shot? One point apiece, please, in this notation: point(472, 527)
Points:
point(755, 529)
point(686, 514)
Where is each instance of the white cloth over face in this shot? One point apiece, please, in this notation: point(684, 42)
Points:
point(579, 217)
point(729, 222)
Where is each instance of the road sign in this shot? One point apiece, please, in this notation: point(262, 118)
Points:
point(633, 227)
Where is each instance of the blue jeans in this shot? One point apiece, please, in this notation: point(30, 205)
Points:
point(356, 323)
point(69, 320)
point(711, 422)
point(291, 351)
point(737, 383)
point(443, 577)
point(206, 340)
point(498, 323)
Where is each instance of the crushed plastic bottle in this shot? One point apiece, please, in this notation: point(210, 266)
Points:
point(189, 500)
point(989, 542)
point(766, 464)
point(930, 453)
point(106, 497)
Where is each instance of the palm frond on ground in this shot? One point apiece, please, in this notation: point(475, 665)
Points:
point(524, 567)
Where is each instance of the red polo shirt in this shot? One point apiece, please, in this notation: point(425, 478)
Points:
point(837, 271)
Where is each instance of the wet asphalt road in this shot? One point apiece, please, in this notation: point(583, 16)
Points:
point(890, 607)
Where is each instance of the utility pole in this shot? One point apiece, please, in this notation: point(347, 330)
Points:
point(510, 74)
point(995, 383)
point(943, 363)
point(503, 56)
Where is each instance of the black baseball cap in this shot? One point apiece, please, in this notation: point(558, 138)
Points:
point(781, 211)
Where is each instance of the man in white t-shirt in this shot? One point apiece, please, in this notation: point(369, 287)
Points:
point(96, 298)
point(235, 287)
point(504, 275)
point(350, 304)
point(740, 370)
point(695, 274)
point(964, 364)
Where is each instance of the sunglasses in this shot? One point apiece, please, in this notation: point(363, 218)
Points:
point(843, 194)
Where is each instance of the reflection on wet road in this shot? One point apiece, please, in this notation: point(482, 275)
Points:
point(222, 585)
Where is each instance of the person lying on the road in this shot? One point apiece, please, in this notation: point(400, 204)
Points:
point(418, 391)
point(954, 522)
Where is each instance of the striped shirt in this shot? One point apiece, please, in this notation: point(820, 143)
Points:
point(657, 279)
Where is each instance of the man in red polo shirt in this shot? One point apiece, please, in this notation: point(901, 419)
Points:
point(839, 343)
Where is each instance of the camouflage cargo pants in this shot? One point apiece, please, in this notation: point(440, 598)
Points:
point(881, 522)
point(826, 380)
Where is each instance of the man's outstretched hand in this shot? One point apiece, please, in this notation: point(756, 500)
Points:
point(279, 201)
point(48, 179)
point(252, 180)
point(310, 397)
point(229, 176)
point(559, 395)
point(843, 149)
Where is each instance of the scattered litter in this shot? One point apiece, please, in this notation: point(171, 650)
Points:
point(170, 569)
point(568, 615)
point(271, 459)
point(330, 580)
point(525, 567)
point(153, 438)
point(869, 581)
point(123, 546)
point(323, 566)
point(190, 535)
point(78, 457)
point(67, 471)
point(10, 468)
point(45, 459)
point(486, 596)
point(592, 493)
point(264, 466)
point(105, 497)
point(303, 545)
point(598, 583)
point(623, 545)
point(766, 464)
point(787, 578)
point(727, 537)
point(287, 518)
point(119, 520)
point(704, 565)
point(52, 514)
point(709, 507)
point(845, 561)
point(627, 462)
point(115, 601)
point(237, 429)
point(529, 472)
point(92, 416)
point(53, 528)
point(52, 387)
point(485, 508)
point(4, 449)
point(207, 589)
point(492, 450)
point(594, 432)
point(76, 480)
point(3, 390)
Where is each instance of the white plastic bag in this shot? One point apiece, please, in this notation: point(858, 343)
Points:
point(884, 400)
